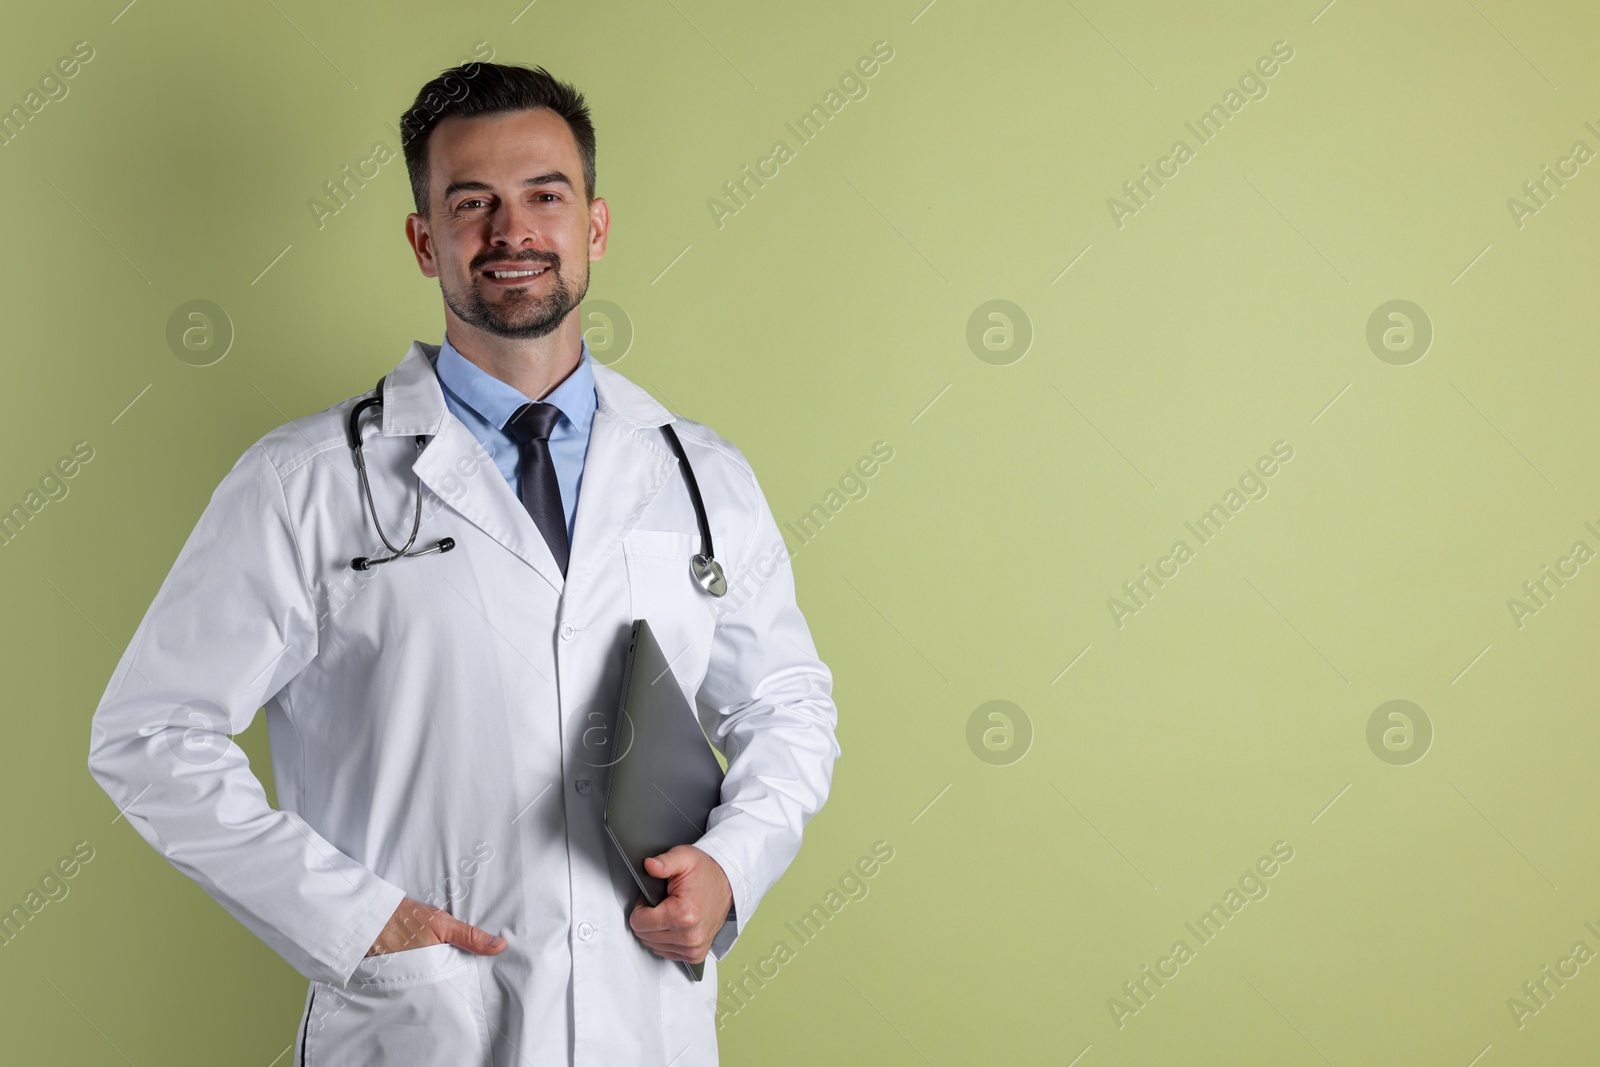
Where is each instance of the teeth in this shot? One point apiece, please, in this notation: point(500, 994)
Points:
point(516, 273)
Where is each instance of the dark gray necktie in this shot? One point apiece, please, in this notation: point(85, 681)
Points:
point(530, 427)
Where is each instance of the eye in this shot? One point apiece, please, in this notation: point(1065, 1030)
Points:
point(467, 204)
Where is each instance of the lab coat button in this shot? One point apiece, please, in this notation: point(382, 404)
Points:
point(585, 931)
point(582, 785)
point(567, 630)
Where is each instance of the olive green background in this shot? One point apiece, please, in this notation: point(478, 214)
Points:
point(1159, 759)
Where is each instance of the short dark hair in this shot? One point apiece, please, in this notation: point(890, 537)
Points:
point(490, 89)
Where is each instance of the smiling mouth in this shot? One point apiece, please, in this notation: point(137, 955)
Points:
point(514, 276)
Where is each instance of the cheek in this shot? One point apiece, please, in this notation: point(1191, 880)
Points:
point(455, 267)
point(572, 253)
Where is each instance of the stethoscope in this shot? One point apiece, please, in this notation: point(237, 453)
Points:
point(703, 565)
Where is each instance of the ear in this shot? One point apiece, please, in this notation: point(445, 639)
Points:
point(421, 241)
point(599, 228)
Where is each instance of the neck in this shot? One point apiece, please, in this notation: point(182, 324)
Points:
point(531, 365)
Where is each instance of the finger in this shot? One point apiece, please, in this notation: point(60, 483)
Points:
point(686, 939)
point(679, 907)
point(676, 860)
point(666, 911)
point(664, 916)
point(683, 940)
point(469, 937)
point(674, 952)
point(685, 955)
point(668, 953)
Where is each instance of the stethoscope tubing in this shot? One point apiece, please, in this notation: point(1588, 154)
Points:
point(353, 434)
point(703, 566)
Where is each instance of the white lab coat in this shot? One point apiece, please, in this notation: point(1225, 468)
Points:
point(438, 726)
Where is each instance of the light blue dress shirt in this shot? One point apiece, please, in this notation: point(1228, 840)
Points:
point(484, 403)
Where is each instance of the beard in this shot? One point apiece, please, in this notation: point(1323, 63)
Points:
point(521, 313)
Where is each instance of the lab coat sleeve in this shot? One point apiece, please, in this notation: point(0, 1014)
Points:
point(233, 622)
point(766, 701)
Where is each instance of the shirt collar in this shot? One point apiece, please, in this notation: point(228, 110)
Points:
point(496, 401)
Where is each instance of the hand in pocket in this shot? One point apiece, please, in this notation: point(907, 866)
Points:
point(416, 925)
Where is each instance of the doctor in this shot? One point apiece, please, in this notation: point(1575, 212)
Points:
point(437, 865)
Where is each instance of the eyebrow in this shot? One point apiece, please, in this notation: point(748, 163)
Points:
point(554, 177)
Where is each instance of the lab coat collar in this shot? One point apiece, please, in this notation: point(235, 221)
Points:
point(623, 469)
point(413, 401)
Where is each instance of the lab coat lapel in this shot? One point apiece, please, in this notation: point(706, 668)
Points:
point(455, 466)
point(482, 497)
point(626, 465)
point(622, 472)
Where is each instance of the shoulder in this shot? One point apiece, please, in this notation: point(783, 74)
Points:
point(713, 456)
point(706, 447)
point(292, 446)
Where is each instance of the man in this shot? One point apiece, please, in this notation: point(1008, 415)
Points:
point(439, 723)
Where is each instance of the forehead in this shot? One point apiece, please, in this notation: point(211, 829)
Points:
point(504, 147)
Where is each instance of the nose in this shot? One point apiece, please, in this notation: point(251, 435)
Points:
point(515, 226)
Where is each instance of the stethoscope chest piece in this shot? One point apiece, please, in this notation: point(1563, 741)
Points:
point(708, 572)
point(703, 564)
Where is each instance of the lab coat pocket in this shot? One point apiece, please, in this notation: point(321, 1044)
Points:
point(662, 591)
point(421, 1006)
